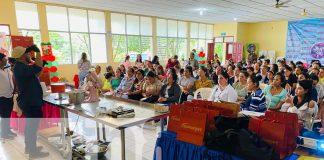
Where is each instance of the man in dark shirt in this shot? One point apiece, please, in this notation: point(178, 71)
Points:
point(30, 95)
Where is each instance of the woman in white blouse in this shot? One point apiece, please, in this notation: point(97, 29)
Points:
point(301, 103)
point(223, 91)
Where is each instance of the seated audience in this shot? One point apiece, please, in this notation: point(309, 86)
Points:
point(127, 63)
point(275, 93)
point(223, 91)
point(136, 90)
point(126, 83)
point(256, 101)
point(218, 70)
point(306, 76)
point(109, 69)
point(240, 86)
point(98, 71)
point(250, 71)
point(263, 74)
point(156, 60)
point(269, 79)
point(321, 76)
point(256, 68)
point(115, 81)
point(160, 73)
point(170, 92)
point(172, 62)
point(291, 79)
point(203, 81)
point(319, 88)
point(192, 61)
point(274, 68)
point(139, 63)
point(107, 87)
point(301, 103)
point(236, 77)
point(151, 88)
point(123, 70)
point(187, 83)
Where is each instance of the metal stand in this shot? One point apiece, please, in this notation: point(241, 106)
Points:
point(60, 97)
point(66, 135)
point(122, 137)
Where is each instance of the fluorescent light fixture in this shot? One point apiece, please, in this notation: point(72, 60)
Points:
point(235, 19)
point(201, 11)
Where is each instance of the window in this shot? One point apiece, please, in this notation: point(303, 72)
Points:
point(27, 20)
point(61, 46)
point(171, 39)
point(33, 33)
point(132, 35)
point(200, 35)
point(80, 30)
point(119, 47)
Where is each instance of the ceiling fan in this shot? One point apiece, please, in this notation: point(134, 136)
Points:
point(281, 4)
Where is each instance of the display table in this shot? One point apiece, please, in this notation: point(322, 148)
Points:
point(51, 118)
point(144, 112)
point(168, 148)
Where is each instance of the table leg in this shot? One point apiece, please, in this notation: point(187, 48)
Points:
point(98, 131)
point(162, 124)
point(67, 147)
point(122, 133)
point(103, 132)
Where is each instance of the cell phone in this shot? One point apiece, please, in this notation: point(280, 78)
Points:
point(288, 92)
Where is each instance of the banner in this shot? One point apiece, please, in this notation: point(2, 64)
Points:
point(4, 44)
point(23, 42)
point(305, 40)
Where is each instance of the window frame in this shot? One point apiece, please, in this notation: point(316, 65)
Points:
point(89, 32)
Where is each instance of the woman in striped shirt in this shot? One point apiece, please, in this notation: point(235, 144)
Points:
point(256, 101)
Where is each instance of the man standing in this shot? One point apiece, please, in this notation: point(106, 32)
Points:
point(6, 101)
point(30, 95)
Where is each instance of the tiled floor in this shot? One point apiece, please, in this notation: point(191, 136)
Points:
point(140, 142)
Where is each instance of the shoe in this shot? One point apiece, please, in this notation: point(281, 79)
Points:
point(8, 136)
point(38, 154)
point(12, 133)
point(39, 148)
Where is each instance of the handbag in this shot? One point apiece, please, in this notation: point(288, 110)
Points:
point(192, 127)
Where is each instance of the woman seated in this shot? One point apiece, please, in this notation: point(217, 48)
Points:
point(151, 88)
point(160, 73)
point(275, 93)
point(170, 92)
point(256, 101)
point(223, 91)
point(115, 81)
point(301, 103)
point(187, 83)
point(136, 90)
point(107, 87)
point(203, 81)
point(240, 86)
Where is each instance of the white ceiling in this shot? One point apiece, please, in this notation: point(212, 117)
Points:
point(217, 10)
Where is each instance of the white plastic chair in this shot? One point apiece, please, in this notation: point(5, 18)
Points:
point(313, 120)
point(204, 93)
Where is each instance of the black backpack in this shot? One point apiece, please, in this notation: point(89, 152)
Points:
point(224, 123)
point(241, 143)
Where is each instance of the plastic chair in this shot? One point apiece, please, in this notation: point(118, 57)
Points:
point(313, 120)
point(204, 93)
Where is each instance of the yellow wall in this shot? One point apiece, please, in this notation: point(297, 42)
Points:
point(8, 15)
point(229, 28)
point(269, 35)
